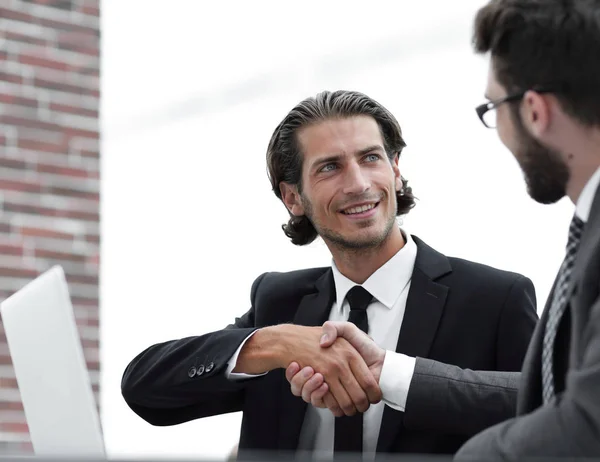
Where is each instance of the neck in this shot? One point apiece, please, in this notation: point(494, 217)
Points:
point(583, 160)
point(359, 264)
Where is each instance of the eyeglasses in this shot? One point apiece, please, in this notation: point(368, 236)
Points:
point(487, 111)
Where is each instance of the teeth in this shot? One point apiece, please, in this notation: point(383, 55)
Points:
point(361, 209)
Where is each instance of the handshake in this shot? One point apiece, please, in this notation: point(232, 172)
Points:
point(344, 374)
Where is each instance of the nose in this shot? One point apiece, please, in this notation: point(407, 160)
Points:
point(356, 181)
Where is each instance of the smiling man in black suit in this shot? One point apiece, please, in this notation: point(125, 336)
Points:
point(334, 162)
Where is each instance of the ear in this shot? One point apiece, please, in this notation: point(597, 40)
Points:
point(536, 113)
point(396, 169)
point(291, 198)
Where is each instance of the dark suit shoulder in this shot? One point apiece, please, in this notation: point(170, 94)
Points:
point(286, 286)
point(479, 273)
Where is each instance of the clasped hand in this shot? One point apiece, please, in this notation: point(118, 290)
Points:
point(346, 377)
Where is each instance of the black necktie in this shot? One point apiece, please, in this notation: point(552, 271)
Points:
point(557, 309)
point(349, 430)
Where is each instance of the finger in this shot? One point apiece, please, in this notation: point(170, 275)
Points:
point(292, 370)
point(329, 334)
point(366, 381)
point(354, 390)
point(332, 404)
point(300, 379)
point(316, 398)
point(335, 329)
point(312, 385)
point(339, 392)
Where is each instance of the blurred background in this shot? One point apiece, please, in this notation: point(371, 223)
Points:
point(132, 151)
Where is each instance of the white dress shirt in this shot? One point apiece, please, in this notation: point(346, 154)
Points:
point(584, 203)
point(389, 286)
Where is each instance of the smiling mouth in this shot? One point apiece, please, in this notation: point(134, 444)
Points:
point(360, 209)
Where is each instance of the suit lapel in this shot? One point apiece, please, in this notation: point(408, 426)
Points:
point(313, 310)
point(530, 393)
point(424, 307)
point(589, 240)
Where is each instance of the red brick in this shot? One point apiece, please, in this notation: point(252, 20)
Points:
point(50, 233)
point(14, 185)
point(89, 343)
point(65, 26)
point(13, 163)
point(93, 365)
point(16, 37)
point(43, 62)
point(18, 273)
point(69, 192)
point(62, 256)
point(67, 171)
point(48, 212)
point(88, 70)
point(7, 382)
point(16, 16)
point(37, 145)
point(17, 100)
point(92, 238)
point(14, 427)
point(13, 78)
point(90, 154)
point(74, 110)
point(80, 133)
point(79, 42)
point(11, 249)
point(91, 10)
point(11, 406)
point(93, 302)
point(83, 278)
point(8, 119)
point(66, 87)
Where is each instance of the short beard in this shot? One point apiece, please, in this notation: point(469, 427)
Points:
point(546, 174)
point(339, 241)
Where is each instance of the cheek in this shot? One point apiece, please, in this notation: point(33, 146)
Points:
point(506, 131)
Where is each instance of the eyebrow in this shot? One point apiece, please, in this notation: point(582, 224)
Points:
point(364, 151)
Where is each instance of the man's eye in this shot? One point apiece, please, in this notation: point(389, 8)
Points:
point(328, 168)
point(372, 157)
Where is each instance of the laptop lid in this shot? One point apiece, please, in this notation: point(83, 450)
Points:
point(50, 368)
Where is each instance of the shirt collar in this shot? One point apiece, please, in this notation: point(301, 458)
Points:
point(584, 203)
point(387, 283)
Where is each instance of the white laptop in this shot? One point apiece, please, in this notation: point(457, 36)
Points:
point(50, 369)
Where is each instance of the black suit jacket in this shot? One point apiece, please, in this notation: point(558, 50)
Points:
point(457, 312)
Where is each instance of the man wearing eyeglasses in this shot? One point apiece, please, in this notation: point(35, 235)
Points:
point(544, 100)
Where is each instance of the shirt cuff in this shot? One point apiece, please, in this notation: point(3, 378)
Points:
point(396, 375)
point(233, 362)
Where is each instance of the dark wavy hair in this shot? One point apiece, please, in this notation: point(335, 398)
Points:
point(284, 159)
point(545, 43)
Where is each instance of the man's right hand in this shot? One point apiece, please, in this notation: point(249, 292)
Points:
point(314, 387)
point(351, 384)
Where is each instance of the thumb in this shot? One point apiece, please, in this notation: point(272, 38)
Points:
point(330, 333)
point(335, 329)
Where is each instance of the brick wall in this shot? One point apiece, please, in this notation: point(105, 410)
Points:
point(49, 169)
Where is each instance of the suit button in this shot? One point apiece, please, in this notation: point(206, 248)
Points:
point(200, 370)
point(209, 367)
point(192, 372)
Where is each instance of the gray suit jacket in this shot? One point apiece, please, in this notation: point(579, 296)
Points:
point(571, 426)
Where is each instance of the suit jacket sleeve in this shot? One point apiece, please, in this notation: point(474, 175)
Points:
point(451, 400)
point(568, 428)
point(160, 387)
